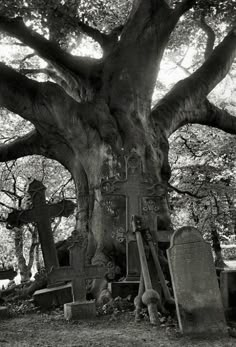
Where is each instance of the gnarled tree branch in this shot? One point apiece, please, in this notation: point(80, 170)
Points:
point(183, 7)
point(106, 41)
point(45, 48)
point(215, 117)
point(210, 36)
point(78, 69)
point(17, 92)
point(66, 85)
point(28, 144)
point(187, 99)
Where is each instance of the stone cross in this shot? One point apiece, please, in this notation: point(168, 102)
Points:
point(78, 273)
point(41, 213)
point(196, 290)
point(142, 198)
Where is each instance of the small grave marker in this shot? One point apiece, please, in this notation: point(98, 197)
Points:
point(78, 273)
point(197, 295)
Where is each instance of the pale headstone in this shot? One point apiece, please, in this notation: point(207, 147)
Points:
point(196, 290)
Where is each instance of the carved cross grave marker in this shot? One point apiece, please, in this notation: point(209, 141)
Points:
point(142, 198)
point(78, 273)
point(41, 213)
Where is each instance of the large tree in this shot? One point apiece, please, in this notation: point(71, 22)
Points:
point(97, 106)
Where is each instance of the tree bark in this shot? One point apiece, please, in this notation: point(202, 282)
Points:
point(104, 107)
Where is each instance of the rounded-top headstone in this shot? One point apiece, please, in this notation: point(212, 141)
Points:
point(186, 235)
point(196, 290)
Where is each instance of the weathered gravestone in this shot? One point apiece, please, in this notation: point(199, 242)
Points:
point(41, 213)
point(136, 194)
point(78, 273)
point(196, 290)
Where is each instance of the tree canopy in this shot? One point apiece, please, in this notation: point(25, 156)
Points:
point(87, 110)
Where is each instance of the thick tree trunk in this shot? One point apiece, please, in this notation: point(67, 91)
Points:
point(105, 109)
point(219, 261)
point(25, 270)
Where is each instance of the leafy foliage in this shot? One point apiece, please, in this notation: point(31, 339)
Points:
point(59, 18)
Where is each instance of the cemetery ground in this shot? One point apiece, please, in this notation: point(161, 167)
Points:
point(29, 327)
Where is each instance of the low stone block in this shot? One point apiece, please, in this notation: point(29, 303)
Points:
point(54, 296)
point(228, 292)
point(124, 288)
point(4, 313)
point(80, 310)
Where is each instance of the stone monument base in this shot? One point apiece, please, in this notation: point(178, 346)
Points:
point(228, 292)
point(80, 310)
point(4, 313)
point(54, 296)
point(124, 289)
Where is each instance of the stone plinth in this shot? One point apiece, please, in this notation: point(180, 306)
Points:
point(4, 313)
point(124, 289)
point(228, 292)
point(80, 310)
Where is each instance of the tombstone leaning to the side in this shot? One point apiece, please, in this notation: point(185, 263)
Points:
point(196, 290)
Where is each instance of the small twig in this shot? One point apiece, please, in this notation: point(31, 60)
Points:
point(179, 191)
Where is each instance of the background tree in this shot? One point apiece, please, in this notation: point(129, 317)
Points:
point(21, 243)
point(96, 106)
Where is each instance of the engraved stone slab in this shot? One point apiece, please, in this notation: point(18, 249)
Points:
point(197, 295)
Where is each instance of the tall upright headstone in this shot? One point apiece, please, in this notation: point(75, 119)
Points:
point(140, 196)
point(196, 290)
